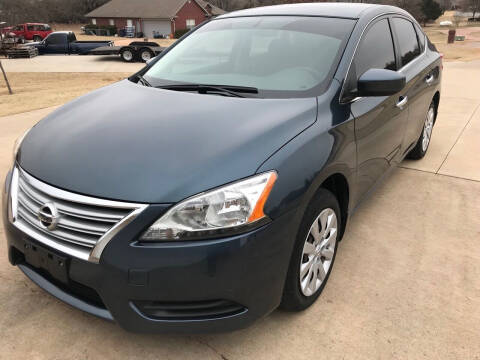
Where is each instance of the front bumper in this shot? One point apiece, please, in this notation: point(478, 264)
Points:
point(136, 285)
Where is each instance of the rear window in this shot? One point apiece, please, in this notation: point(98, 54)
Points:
point(282, 56)
point(407, 40)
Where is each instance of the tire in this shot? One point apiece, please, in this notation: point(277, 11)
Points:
point(301, 292)
point(37, 38)
point(146, 54)
point(127, 54)
point(421, 147)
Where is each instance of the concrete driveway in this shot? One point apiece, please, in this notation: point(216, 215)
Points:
point(71, 63)
point(406, 283)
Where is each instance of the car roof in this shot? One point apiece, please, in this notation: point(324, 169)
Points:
point(341, 10)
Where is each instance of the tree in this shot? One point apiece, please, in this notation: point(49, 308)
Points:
point(431, 10)
point(473, 6)
point(68, 11)
point(412, 6)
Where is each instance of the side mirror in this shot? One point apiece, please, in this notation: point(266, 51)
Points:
point(380, 82)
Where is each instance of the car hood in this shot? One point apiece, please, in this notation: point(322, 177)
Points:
point(134, 143)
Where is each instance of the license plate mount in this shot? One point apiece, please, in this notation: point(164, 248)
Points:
point(39, 257)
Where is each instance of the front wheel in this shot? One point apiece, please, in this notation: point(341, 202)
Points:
point(423, 141)
point(314, 252)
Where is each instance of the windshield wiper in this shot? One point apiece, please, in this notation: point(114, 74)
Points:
point(231, 90)
point(143, 81)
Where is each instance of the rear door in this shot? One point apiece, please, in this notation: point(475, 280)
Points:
point(30, 31)
point(45, 30)
point(380, 121)
point(72, 46)
point(414, 64)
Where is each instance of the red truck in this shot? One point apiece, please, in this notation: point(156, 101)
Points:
point(29, 31)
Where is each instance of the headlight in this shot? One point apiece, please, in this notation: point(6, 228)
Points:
point(17, 144)
point(235, 205)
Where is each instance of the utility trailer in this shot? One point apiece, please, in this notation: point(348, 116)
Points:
point(135, 51)
point(21, 52)
point(12, 48)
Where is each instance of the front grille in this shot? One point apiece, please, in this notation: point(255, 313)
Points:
point(81, 222)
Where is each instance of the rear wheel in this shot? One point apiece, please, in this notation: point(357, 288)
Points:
point(423, 141)
point(146, 54)
point(314, 252)
point(37, 38)
point(127, 54)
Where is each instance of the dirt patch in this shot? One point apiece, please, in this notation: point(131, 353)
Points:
point(39, 90)
point(460, 50)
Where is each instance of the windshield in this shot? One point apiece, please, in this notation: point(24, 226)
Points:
point(281, 56)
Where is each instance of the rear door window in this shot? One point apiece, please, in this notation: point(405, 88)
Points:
point(407, 40)
point(421, 37)
point(376, 49)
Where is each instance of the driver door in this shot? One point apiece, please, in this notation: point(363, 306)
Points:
point(56, 44)
point(380, 121)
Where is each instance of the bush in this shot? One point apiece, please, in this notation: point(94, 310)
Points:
point(431, 10)
point(180, 33)
point(112, 29)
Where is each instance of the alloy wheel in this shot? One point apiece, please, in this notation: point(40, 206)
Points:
point(318, 252)
point(146, 55)
point(127, 55)
point(427, 128)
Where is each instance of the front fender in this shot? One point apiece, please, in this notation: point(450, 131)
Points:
point(325, 148)
point(305, 163)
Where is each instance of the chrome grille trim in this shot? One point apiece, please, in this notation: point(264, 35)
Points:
point(85, 224)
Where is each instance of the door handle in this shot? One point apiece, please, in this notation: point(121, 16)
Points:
point(429, 79)
point(402, 102)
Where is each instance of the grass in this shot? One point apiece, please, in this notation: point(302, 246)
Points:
point(435, 35)
point(33, 91)
point(458, 51)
